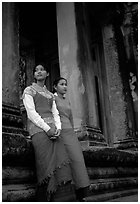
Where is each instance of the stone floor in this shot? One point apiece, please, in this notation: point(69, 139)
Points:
point(132, 198)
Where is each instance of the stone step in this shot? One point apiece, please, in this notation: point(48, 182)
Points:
point(15, 130)
point(100, 185)
point(127, 198)
point(109, 157)
point(12, 120)
point(108, 196)
point(18, 175)
point(15, 147)
point(111, 172)
point(18, 192)
point(26, 192)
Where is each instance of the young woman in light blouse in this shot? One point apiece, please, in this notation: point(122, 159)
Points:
point(70, 140)
point(44, 126)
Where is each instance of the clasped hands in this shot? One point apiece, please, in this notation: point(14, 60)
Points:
point(53, 133)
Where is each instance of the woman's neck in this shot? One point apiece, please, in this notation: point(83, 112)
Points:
point(40, 83)
point(60, 95)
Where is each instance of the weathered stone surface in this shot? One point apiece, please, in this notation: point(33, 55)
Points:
point(10, 57)
point(11, 116)
point(108, 196)
point(107, 156)
point(15, 130)
point(16, 175)
point(20, 192)
point(26, 192)
point(15, 147)
point(115, 86)
point(130, 143)
point(113, 183)
point(111, 172)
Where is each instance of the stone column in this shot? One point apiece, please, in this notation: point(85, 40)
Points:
point(121, 122)
point(67, 43)
point(10, 54)
point(11, 115)
point(74, 67)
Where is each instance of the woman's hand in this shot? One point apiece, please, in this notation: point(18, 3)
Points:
point(53, 135)
point(57, 133)
point(51, 132)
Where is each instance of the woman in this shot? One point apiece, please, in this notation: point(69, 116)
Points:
point(44, 126)
point(79, 172)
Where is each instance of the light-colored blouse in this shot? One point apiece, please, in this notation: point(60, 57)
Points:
point(28, 100)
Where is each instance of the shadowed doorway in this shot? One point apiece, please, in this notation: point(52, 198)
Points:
point(37, 44)
point(38, 39)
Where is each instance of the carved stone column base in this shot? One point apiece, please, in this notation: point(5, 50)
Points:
point(12, 121)
point(91, 137)
point(128, 143)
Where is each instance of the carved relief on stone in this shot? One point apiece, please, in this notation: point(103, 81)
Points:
point(22, 75)
point(22, 85)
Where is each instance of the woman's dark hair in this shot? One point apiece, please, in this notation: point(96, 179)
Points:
point(56, 81)
point(45, 67)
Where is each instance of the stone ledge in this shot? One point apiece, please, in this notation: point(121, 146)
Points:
point(111, 172)
point(14, 130)
point(128, 143)
point(98, 185)
point(15, 147)
point(13, 120)
point(111, 195)
point(26, 192)
point(15, 175)
point(107, 156)
point(20, 192)
point(10, 109)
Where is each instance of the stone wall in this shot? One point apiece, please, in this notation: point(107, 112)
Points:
point(10, 54)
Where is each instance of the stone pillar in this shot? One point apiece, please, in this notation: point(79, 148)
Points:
point(121, 122)
point(67, 43)
point(10, 54)
point(11, 115)
point(74, 67)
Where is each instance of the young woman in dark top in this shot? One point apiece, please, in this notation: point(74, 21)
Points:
point(70, 140)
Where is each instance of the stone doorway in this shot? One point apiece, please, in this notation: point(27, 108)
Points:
point(38, 38)
point(37, 43)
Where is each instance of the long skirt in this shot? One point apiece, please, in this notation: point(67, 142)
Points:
point(52, 162)
point(74, 150)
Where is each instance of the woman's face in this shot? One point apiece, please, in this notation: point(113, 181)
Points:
point(61, 86)
point(40, 73)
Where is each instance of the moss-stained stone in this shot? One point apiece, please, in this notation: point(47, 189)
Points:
point(111, 172)
point(113, 166)
point(15, 147)
point(106, 156)
point(117, 103)
point(17, 175)
point(10, 50)
point(18, 192)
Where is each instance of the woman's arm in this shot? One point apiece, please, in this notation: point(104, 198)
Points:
point(56, 116)
point(71, 119)
point(32, 114)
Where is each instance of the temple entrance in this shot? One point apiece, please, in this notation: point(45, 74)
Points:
point(38, 40)
point(37, 44)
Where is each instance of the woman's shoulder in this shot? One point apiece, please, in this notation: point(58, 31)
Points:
point(50, 93)
point(29, 90)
